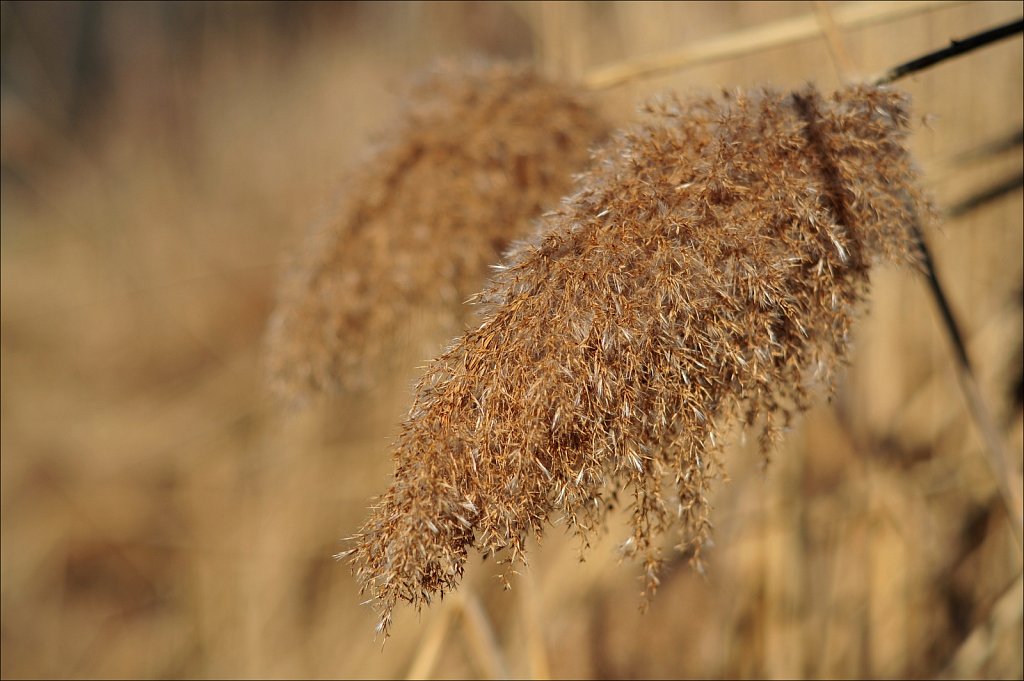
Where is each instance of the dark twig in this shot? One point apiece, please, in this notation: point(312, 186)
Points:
point(995, 449)
point(986, 196)
point(942, 301)
point(956, 48)
point(991, 148)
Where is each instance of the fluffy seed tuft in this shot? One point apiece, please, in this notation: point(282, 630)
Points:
point(705, 273)
point(477, 154)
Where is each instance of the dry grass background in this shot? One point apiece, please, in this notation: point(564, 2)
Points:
point(162, 517)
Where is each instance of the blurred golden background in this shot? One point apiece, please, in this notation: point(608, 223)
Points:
point(162, 517)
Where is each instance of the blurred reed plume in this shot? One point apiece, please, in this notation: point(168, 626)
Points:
point(478, 152)
point(704, 274)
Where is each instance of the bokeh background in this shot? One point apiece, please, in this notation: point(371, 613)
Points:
point(162, 517)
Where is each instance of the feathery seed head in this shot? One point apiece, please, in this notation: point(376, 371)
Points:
point(477, 154)
point(705, 271)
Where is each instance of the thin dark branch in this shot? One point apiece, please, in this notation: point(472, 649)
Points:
point(991, 148)
point(956, 47)
point(995, 450)
point(998, 457)
point(986, 196)
point(942, 301)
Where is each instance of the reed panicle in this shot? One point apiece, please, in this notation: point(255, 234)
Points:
point(478, 153)
point(705, 273)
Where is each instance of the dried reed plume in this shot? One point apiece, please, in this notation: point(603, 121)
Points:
point(704, 274)
point(477, 154)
